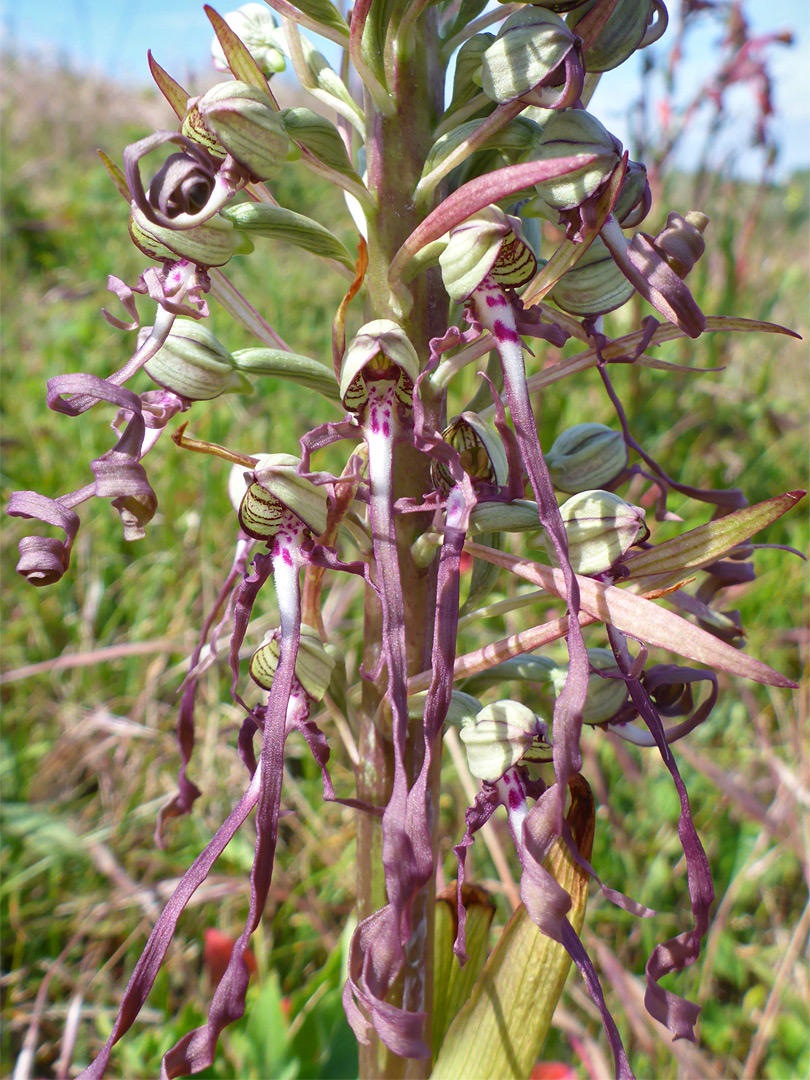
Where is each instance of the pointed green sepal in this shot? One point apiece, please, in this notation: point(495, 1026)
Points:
point(174, 93)
point(243, 66)
point(115, 175)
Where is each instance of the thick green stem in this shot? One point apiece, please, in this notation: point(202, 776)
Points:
point(396, 149)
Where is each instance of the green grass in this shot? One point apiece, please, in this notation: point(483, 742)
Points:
point(88, 750)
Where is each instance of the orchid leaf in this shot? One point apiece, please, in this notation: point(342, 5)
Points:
point(174, 93)
point(709, 542)
point(452, 983)
point(517, 645)
point(281, 224)
point(241, 63)
point(501, 1029)
point(640, 618)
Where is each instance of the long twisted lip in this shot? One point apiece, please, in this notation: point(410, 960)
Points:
point(200, 168)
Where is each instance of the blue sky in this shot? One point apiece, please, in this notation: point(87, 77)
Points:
point(112, 36)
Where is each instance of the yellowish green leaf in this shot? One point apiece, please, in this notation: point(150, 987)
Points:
point(501, 1029)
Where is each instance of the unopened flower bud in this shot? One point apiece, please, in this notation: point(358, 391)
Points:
point(500, 736)
point(461, 711)
point(626, 28)
point(488, 242)
point(313, 664)
point(467, 74)
point(240, 120)
point(210, 244)
point(604, 697)
point(536, 58)
point(585, 457)
point(600, 527)
point(254, 25)
point(681, 242)
point(276, 488)
point(519, 515)
point(379, 351)
point(635, 198)
point(194, 364)
point(568, 132)
point(593, 286)
point(480, 450)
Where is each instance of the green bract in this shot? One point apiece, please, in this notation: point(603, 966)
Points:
point(194, 364)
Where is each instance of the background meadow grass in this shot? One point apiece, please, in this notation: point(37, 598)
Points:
point(92, 664)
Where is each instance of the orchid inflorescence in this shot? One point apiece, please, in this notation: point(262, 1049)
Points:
point(448, 200)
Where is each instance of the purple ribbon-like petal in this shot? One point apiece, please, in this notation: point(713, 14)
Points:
point(678, 1014)
point(43, 559)
point(148, 965)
